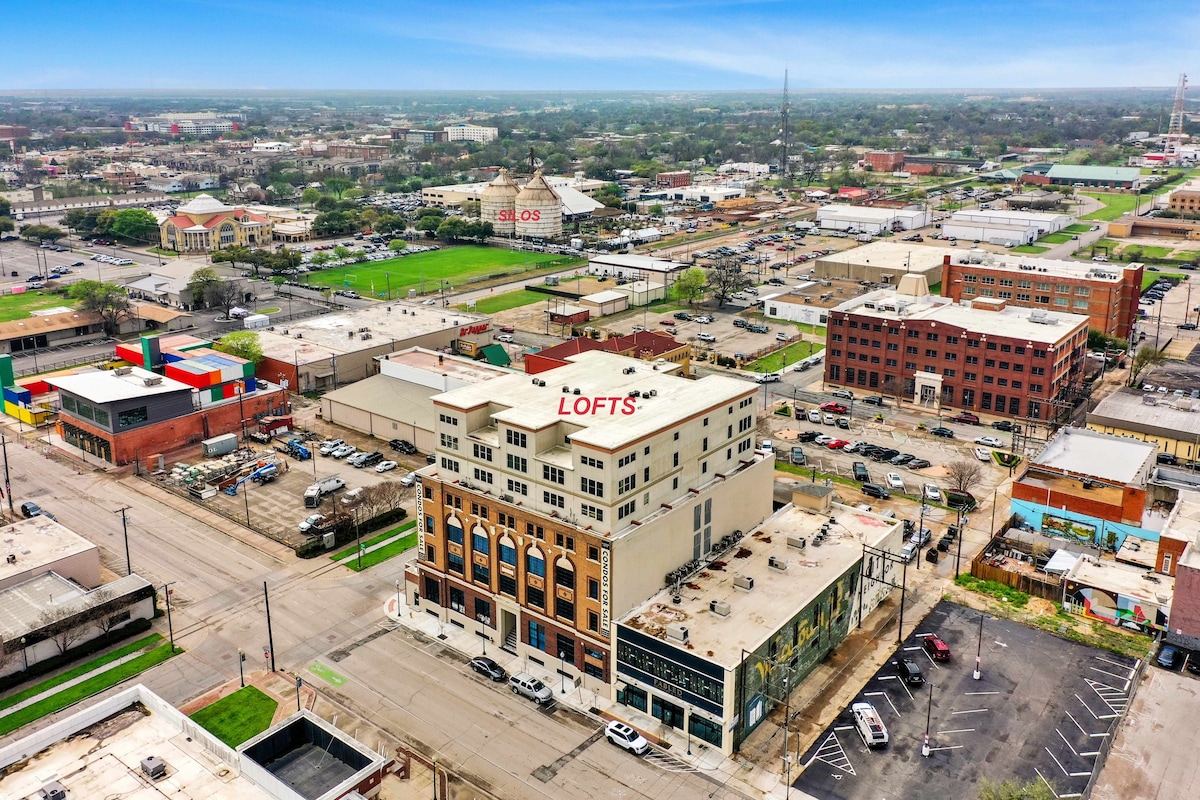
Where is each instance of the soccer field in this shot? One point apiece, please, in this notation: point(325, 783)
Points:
point(458, 266)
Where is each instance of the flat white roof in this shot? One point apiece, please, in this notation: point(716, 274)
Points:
point(1098, 455)
point(777, 595)
point(606, 296)
point(329, 334)
point(630, 261)
point(1168, 416)
point(106, 386)
point(872, 213)
point(1023, 218)
point(1149, 587)
point(1184, 523)
point(893, 254)
point(1034, 266)
point(599, 374)
point(1014, 322)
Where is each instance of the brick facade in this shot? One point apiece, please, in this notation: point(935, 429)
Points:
point(1129, 510)
point(1170, 550)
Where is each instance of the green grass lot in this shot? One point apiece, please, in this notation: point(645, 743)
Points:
point(1106, 244)
point(789, 355)
point(1150, 277)
point(425, 271)
point(1077, 229)
point(1032, 249)
point(401, 545)
point(93, 685)
point(1151, 251)
point(1187, 255)
point(237, 717)
point(349, 552)
point(503, 302)
point(1055, 238)
point(1115, 205)
point(82, 669)
point(19, 306)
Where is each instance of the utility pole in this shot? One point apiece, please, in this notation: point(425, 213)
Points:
point(170, 626)
point(270, 638)
point(978, 649)
point(7, 484)
point(125, 528)
point(925, 749)
point(784, 112)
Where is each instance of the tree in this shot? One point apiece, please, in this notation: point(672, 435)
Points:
point(135, 224)
point(726, 279)
point(1101, 341)
point(310, 196)
point(691, 285)
point(338, 185)
point(396, 245)
point(223, 295)
point(428, 223)
point(5, 207)
point(63, 627)
point(243, 344)
point(200, 280)
point(7, 225)
point(1144, 358)
point(964, 475)
point(42, 233)
point(341, 252)
point(321, 259)
point(1011, 790)
point(78, 165)
point(108, 300)
point(237, 254)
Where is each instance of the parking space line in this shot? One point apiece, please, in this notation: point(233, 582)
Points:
point(1071, 717)
point(1064, 769)
point(947, 747)
point(1067, 742)
point(969, 694)
point(1114, 698)
point(832, 753)
point(885, 696)
point(1112, 674)
point(971, 711)
point(956, 730)
point(1093, 713)
point(1051, 788)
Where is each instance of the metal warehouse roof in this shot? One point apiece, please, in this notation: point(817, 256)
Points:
point(1071, 171)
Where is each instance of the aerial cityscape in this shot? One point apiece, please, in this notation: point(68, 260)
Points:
point(723, 399)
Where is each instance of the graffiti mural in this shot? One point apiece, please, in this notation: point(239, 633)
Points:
point(1068, 528)
point(1115, 609)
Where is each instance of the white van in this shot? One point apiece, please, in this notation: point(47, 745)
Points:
point(767, 446)
point(869, 725)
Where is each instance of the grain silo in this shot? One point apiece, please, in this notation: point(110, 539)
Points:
point(498, 204)
point(538, 210)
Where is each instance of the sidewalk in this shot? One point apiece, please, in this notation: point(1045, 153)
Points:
point(76, 680)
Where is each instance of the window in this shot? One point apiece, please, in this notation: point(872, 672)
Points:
point(454, 531)
point(931, 337)
point(554, 499)
point(990, 363)
point(454, 501)
point(517, 463)
point(448, 420)
point(132, 416)
point(912, 351)
point(593, 624)
point(949, 373)
point(564, 609)
point(481, 451)
point(508, 552)
point(593, 590)
point(1006, 282)
point(515, 438)
point(537, 636)
point(479, 511)
point(970, 278)
point(480, 542)
point(455, 563)
point(593, 553)
point(449, 442)
point(508, 585)
point(1061, 301)
point(931, 353)
point(592, 511)
point(990, 281)
point(553, 474)
point(893, 347)
point(627, 509)
point(535, 596)
point(516, 487)
point(1062, 288)
point(627, 460)
point(589, 486)
point(991, 345)
point(535, 564)
point(566, 647)
point(627, 484)
point(1082, 291)
point(482, 475)
point(970, 376)
point(1080, 304)
point(480, 573)
point(588, 461)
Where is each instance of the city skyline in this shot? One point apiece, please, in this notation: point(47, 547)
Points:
point(662, 45)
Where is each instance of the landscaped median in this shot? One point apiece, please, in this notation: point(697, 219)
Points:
point(105, 678)
point(386, 545)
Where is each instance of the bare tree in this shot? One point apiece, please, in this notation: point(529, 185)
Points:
point(726, 278)
point(64, 627)
point(104, 615)
point(8, 651)
point(1144, 358)
point(964, 475)
point(224, 295)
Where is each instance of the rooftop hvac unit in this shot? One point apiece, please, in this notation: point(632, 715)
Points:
point(744, 582)
point(575, 391)
point(154, 767)
point(777, 563)
point(652, 393)
point(635, 393)
point(506, 498)
point(541, 382)
point(566, 390)
point(677, 632)
point(155, 381)
point(796, 542)
point(53, 791)
point(719, 607)
point(123, 370)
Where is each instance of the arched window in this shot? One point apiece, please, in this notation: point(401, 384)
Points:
point(564, 573)
point(535, 563)
point(508, 551)
point(227, 234)
point(454, 530)
point(479, 540)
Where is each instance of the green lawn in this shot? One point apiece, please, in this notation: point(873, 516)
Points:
point(82, 669)
point(794, 352)
point(19, 306)
point(1055, 238)
point(1077, 229)
point(503, 302)
point(91, 686)
point(1187, 255)
point(424, 271)
point(1151, 251)
point(1150, 277)
point(237, 717)
point(401, 545)
point(349, 552)
point(1115, 205)
point(1032, 249)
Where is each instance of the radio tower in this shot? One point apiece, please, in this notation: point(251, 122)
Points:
point(1175, 128)
point(783, 119)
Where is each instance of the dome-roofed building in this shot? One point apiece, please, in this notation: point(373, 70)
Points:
point(538, 210)
point(498, 204)
point(205, 223)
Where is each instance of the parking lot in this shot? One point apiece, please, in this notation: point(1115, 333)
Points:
point(1040, 710)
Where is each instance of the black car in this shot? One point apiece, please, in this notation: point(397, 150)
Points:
point(901, 459)
point(808, 436)
point(945, 433)
point(1168, 656)
point(869, 450)
point(909, 671)
point(917, 463)
point(682, 315)
point(431, 459)
point(403, 446)
point(875, 490)
point(1002, 425)
point(30, 509)
point(886, 454)
point(875, 401)
point(843, 423)
point(488, 668)
point(371, 460)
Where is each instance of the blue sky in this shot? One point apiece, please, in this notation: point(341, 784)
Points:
point(660, 44)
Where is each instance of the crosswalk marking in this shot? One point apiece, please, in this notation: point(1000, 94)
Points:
point(832, 753)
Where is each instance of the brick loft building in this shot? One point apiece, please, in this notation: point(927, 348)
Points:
point(561, 501)
point(1106, 293)
point(979, 355)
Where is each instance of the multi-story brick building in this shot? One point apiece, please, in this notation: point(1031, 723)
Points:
point(885, 160)
point(1106, 293)
point(560, 502)
point(1185, 199)
point(673, 180)
point(981, 356)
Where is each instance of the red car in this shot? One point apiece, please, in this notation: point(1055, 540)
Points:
point(507, 329)
point(667, 321)
point(837, 444)
point(834, 408)
point(937, 649)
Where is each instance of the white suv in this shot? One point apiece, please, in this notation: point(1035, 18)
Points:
point(626, 737)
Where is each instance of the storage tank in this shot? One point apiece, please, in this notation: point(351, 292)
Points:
point(497, 204)
point(538, 210)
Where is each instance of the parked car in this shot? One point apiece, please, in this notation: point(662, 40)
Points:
point(353, 496)
point(875, 490)
point(814, 416)
point(859, 470)
point(1168, 656)
point(310, 522)
point(983, 454)
point(385, 466)
point(901, 459)
point(371, 460)
point(807, 436)
point(626, 737)
point(403, 446)
point(357, 459)
point(922, 537)
point(990, 441)
point(909, 671)
point(487, 668)
point(834, 408)
point(875, 400)
point(29, 509)
point(524, 684)
point(1002, 425)
point(843, 423)
point(937, 649)
point(966, 417)
point(894, 481)
point(830, 419)
point(917, 463)
point(845, 394)
point(944, 433)
point(706, 337)
point(837, 444)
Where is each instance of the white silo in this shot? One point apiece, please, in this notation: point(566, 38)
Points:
point(498, 204)
point(538, 210)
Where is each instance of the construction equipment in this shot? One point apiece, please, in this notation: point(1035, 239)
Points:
point(264, 474)
point(296, 449)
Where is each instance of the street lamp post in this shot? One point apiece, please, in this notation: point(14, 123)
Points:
point(978, 649)
point(397, 599)
point(125, 529)
point(170, 626)
point(562, 672)
point(25, 654)
point(925, 749)
point(241, 670)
